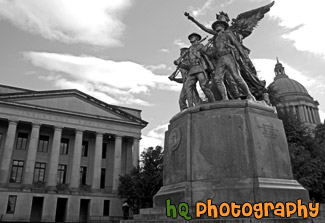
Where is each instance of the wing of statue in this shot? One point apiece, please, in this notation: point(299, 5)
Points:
point(245, 22)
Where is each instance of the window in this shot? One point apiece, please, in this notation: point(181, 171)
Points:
point(39, 172)
point(102, 178)
point(11, 204)
point(43, 144)
point(64, 146)
point(22, 141)
point(16, 171)
point(84, 150)
point(106, 208)
point(62, 172)
point(104, 150)
point(83, 175)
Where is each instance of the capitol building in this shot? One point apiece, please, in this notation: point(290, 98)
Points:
point(293, 96)
point(61, 155)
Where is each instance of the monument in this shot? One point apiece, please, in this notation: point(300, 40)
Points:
point(232, 150)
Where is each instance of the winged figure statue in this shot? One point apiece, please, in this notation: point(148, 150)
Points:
point(230, 55)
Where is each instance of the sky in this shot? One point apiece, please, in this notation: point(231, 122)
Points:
point(122, 51)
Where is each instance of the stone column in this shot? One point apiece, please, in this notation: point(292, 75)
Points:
point(305, 112)
point(317, 116)
point(301, 113)
point(54, 157)
point(295, 112)
point(31, 155)
point(117, 162)
point(295, 107)
point(97, 162)
point(7, 152)
point(311, 115)
point(312, 112)
point(135, 151)
point(76, 159)
point(308, 114)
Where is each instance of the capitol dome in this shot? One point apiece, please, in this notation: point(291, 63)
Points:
point(289, 86)
point(293, 96)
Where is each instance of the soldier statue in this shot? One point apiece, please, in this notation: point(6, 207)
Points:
point(183, 68)
point(231, 55)
point(198, 67)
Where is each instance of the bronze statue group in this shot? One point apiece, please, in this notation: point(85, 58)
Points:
point(222, 66)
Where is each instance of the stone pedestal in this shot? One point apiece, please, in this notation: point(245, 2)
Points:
point(228, 151)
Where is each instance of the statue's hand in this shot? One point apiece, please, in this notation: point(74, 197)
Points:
point(188, 16)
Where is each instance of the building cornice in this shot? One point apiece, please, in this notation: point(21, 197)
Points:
point(69, 113)
point(111, 108)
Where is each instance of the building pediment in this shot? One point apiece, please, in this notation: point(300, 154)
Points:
point(4, 89)
point(76, 102)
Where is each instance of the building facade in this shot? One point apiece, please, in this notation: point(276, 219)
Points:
point(293, 96)
point(61, 155)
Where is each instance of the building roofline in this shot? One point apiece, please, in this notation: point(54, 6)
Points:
point(16, 88)
point(112, 108)
point(9, 103)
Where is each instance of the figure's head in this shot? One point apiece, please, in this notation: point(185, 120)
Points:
point(221, 23)
point(183, 50)
point(219, 27)
point(194, 38)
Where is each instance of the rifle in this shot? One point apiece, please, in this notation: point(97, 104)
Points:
point(174, 74)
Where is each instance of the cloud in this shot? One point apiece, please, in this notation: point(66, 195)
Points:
point(180, 43)
point(203, 10)
point(226, 3)
point(74, 21)
point(210, 5)
point(165, 50)
point(113, 82)
point(158, 67)
point(304, 22)
point(155, 137)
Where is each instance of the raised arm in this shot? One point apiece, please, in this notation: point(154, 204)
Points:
point(200, 25)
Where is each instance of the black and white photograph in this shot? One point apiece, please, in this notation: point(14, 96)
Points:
point(132, 111)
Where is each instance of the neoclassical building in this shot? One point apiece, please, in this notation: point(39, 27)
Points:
point(294, 97)
point(61, 155)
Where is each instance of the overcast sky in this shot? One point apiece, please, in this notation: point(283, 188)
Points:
point(122, 51)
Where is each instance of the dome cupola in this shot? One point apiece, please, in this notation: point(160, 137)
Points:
point(293, 96)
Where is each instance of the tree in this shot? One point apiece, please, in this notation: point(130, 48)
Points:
point(273, 95)
point(141, 184)
point(128, 187)
point(152, 174)
point(307, 154)
point(320, 135)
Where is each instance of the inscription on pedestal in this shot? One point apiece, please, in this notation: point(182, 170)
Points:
point(268, 131)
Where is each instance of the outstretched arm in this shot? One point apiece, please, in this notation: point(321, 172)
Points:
point(200, 25)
